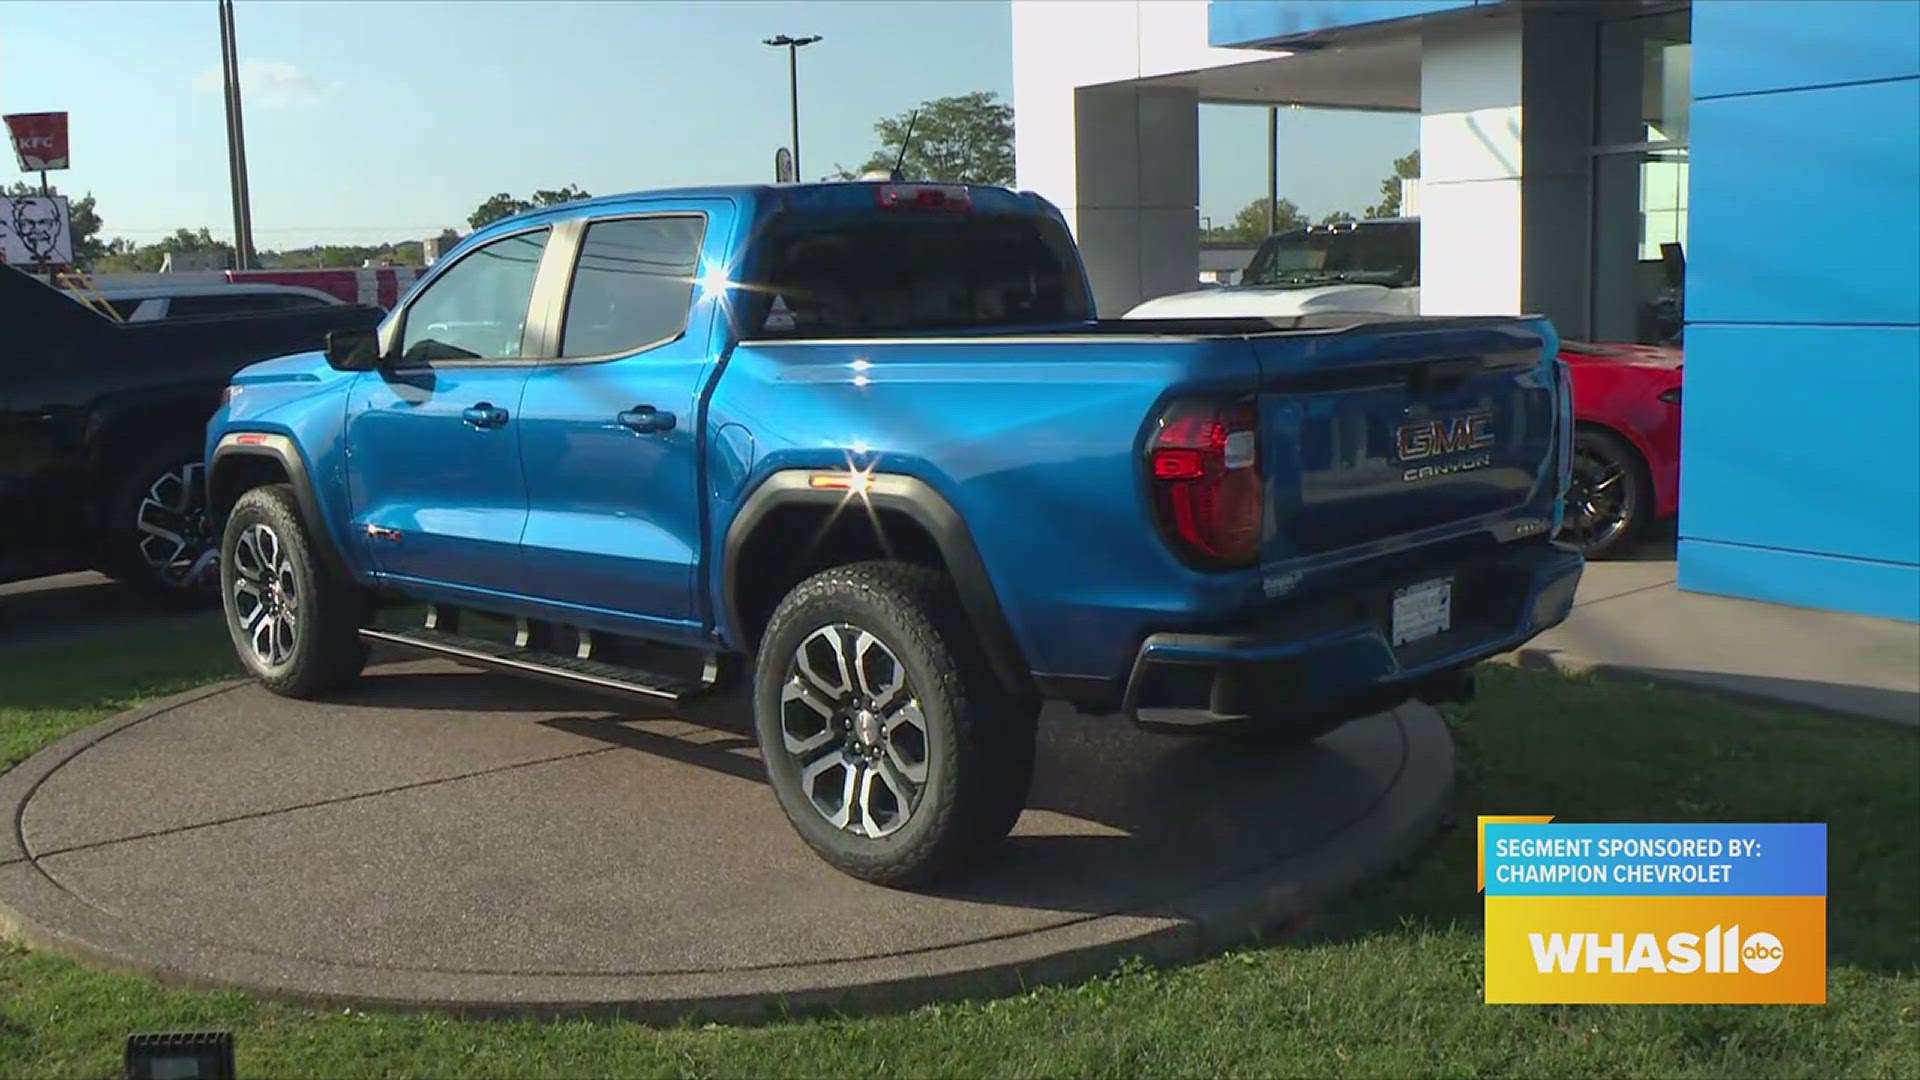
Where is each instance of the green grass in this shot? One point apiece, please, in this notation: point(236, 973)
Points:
point(1389, 984)
point(47, 691)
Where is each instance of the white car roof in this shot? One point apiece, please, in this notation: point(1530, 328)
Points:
point(152, 292)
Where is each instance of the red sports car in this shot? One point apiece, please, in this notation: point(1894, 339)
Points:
point(1626, 452)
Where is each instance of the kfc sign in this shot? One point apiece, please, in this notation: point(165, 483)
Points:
point(39, 140)
point(36, 230)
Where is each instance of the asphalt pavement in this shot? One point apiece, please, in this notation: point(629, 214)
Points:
point(446, 838)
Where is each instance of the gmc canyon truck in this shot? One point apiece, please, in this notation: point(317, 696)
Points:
point(864, 447)
point(103, 427)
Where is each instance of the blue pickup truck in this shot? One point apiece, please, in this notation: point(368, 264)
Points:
point(865, 448)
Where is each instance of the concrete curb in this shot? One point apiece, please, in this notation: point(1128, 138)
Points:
point(38, 911)
point(1560, 662)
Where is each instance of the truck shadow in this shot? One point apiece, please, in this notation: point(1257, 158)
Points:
point(69, 607)
point(1119, 820)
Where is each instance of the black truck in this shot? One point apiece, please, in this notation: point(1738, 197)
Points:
point(101, 428)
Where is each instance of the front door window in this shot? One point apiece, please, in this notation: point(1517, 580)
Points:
point(477, 309)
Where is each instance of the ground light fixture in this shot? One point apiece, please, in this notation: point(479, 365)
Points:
point(181, 1055)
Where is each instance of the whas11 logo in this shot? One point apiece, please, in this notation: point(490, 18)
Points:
point(1719, 951)
point(1654, 913)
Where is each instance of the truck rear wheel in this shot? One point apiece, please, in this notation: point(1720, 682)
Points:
point(294, 623)
point(889, 744)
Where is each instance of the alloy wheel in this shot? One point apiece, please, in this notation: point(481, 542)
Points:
point(266, 595)
point(1597, 507)
point(853, 727)
point(175, 538)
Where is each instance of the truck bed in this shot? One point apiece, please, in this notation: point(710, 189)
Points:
point(1236, 327)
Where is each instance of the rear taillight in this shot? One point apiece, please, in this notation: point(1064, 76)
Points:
point(1203, 463)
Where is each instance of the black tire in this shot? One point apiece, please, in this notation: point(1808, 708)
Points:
point(1608, 522)
point(974, 741)
point(292, 588)
point(158, 537)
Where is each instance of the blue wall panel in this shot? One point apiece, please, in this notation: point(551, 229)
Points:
point(1800, 469)
point(1884, 590)
point(1803, 438)
point(1242, 23)
point(1744, 46)
point(1805, 206)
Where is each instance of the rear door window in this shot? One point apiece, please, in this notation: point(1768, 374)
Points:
point(827, 275)
point(632, 285)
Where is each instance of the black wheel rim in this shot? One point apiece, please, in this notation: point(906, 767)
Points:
point(266, 595)
point(1599, 499)
point(853, 729)
point(172, 534)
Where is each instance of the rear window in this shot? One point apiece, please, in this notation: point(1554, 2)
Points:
point(835, 275)
point(1376, 254)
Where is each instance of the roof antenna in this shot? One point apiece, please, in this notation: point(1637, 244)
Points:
point(897, 176)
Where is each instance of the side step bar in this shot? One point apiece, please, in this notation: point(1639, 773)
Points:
point(553, 667)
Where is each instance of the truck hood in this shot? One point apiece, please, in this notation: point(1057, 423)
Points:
point(1263, 301)
point(294, 367)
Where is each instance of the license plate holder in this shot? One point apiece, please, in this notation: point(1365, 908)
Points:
point(1422, 610)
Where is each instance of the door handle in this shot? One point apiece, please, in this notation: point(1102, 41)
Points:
point(646, 420)
point(484, 415)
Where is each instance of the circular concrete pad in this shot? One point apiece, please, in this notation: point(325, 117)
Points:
point(451, 838)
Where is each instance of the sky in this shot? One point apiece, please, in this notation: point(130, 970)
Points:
point(369, 122)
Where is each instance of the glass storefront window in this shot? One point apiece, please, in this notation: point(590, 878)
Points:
point(1646, 79)
point(1640, 178)
point(1640, 207)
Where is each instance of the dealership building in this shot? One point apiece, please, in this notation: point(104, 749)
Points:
point(1752, 164)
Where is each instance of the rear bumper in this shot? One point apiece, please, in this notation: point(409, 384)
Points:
point(1335, 655)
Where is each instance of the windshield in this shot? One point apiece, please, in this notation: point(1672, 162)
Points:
point(867, 272)
point(1374, 254)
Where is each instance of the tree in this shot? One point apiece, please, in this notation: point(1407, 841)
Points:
point(150, 257)
point(1250, 224)
point(555, 198)
point(1406, 168)
point(967, 138)
point(506, 205)
point(1336, 218)
point(495, 208)
point(82, 219)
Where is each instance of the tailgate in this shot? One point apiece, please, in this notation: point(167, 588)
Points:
point(1387, 429)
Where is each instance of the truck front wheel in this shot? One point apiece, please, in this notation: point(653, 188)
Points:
point(891, 747)
point(294, 624)
point(158, 536)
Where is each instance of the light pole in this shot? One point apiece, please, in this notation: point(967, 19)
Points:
point(793, 45)
point(236, 142)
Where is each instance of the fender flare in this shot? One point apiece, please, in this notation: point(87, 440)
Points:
point(280, 449)
point(927, 508)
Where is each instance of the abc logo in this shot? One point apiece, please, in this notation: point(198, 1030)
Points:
point(1761, 953)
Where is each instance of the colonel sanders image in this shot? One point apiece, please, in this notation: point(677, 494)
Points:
point(36, 222)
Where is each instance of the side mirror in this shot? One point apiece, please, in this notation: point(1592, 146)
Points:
point(353, 350)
